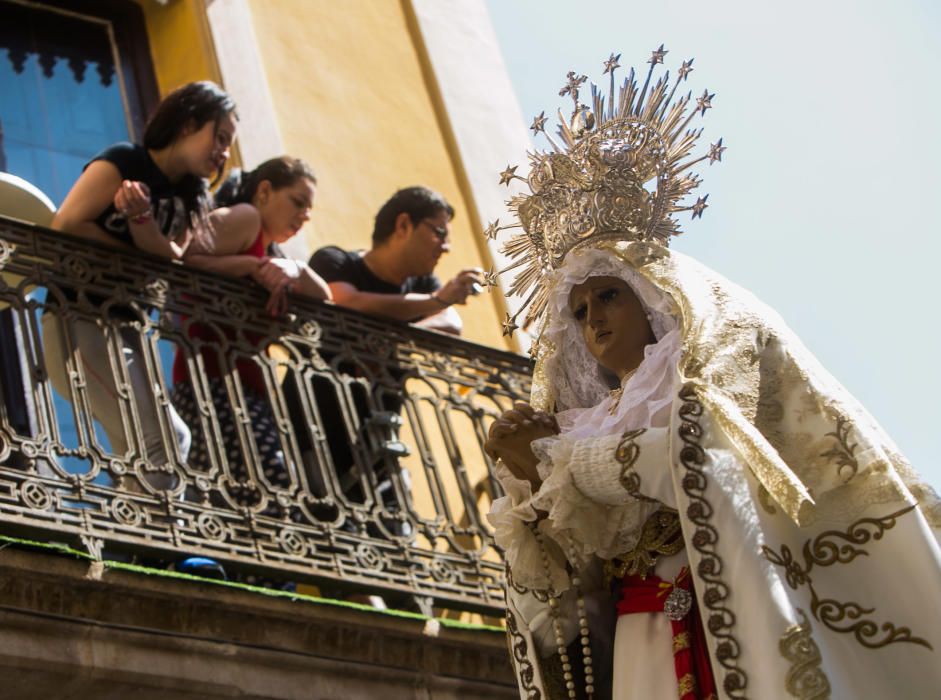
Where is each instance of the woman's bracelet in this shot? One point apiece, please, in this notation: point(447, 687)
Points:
point(142, 218)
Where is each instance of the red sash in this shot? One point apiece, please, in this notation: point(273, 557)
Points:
point(690, 656)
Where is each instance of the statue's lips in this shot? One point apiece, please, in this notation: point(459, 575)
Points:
point(601, 336)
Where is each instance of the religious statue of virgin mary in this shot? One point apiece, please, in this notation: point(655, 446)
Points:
point(693, 506)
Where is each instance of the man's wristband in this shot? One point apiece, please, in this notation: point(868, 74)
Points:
point(142, 218)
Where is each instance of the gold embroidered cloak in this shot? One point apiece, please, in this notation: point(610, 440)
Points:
point(814, 547)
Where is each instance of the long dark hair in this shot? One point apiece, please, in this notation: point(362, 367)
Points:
point(240, 187)
point(192, 105)
point(283, 171)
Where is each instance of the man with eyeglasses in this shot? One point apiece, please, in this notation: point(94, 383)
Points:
point(395, 277)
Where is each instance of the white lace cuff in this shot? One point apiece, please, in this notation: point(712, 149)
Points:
point(587, 524)
point(514, 521)
point(634, 465)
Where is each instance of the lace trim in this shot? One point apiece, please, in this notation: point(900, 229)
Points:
point(575, 375)
point(582, 524)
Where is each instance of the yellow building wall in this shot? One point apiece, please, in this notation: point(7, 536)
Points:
point(181, 46)
point(354, 97)
point(351, 98)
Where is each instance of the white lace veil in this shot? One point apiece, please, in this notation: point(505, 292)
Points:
point(575, 377)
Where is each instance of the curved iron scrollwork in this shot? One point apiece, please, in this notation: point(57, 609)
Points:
point(377, 428)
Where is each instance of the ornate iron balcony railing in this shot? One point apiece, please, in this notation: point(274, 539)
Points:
point(380, 426)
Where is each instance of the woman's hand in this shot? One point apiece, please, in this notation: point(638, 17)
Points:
point(510, 439)
point(278, 276)
point(133, 200)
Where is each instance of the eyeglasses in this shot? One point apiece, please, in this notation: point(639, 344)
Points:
point(440, 231)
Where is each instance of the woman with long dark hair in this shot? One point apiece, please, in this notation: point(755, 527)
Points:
point(155, 195)
point(261, 209)
point(152, 197)
point(256, 212)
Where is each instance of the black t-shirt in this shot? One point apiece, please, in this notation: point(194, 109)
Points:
point(337, 265)
point(135, 163)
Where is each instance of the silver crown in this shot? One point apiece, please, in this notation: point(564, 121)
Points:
point(620, 173)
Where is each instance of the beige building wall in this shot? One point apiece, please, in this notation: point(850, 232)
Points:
point(376, 95)
point(354, 94)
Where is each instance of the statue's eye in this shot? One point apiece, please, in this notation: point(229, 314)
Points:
point(579, 312)
point(608, 294)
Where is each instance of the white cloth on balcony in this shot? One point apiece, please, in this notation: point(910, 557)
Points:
point(92, 353)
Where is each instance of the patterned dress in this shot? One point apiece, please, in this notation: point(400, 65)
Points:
point(240, 487)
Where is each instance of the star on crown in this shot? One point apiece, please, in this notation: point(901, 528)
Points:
point(508, 175)
point(657, 55)
point(539, 123)
point(612, 63)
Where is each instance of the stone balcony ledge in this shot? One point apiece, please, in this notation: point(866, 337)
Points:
point(74, 628)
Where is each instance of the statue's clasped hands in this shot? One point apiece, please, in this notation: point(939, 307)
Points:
point(511, 436)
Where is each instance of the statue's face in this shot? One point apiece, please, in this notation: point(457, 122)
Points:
point(613, 322)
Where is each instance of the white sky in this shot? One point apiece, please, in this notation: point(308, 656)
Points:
point(824, 204)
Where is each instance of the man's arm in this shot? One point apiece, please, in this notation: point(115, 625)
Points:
point(402, 307)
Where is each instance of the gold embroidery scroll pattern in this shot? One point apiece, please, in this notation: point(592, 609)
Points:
point(519, 650)
point(766, 501)
point(687, 685)
point(844, 453)
point(626, 454)
point(805, 679)
point(662, 535)
point(720, 620)
point(680, 642)
point(835, 547)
